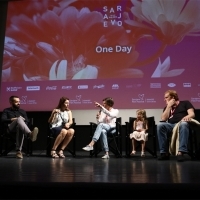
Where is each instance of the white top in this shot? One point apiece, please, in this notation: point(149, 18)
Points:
point(108, 117)
point(59, 117)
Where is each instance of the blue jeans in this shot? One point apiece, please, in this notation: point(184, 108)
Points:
point(101, 132)
point(164, 129)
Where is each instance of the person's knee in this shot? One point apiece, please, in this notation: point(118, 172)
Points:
point(100, 125)
point(19, 120)
point(184, 125)
point(160, 126)
point(70, 132)
point(63, 132)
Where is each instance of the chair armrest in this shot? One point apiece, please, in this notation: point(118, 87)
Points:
point(93, 123)
point(127, 132)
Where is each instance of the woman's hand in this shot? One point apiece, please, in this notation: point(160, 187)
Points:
point(67, 125)
point(97, 104)
point(56, 111)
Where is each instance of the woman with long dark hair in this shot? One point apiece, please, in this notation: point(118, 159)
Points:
point(61, 120)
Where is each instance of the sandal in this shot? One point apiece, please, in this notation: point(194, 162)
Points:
point(54, 154)
point(60, 154)
point(133, 153)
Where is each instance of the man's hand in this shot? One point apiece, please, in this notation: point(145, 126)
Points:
point(13, 119)
point(186, 119)
point(171, 102)
point(22, 118)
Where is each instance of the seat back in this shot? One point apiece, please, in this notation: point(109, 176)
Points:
point(117, 129)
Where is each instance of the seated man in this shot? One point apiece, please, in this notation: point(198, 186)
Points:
point(17, 121)
point(175, 111)
point(106, 119)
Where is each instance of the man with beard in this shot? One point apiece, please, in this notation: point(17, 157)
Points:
point(17, 122)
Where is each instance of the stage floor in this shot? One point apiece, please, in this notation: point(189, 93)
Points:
point(91, 178)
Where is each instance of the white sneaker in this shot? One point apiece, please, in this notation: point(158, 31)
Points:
point(88, 148)
point(105, 156)
point(142, 154)
point(34, 133)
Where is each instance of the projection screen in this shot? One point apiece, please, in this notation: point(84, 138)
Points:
point(86, 50)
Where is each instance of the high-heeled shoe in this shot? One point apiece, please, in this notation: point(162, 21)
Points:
point(60, 154)
point(54, 154)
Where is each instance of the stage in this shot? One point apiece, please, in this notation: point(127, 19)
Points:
point(83, 177)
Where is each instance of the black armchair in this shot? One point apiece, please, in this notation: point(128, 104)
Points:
point(114, 139)
point(151, 137)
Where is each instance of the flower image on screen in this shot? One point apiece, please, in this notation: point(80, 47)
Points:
point(132, 50)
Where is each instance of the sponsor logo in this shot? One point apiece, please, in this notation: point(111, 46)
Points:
point(67, 87)
point(78, 97)
point(51, 87)
point(115, 86)
point(25, 100)
point(98, 86)
point(137, 85)
point(186, 84)
point(32, 88)
point(141, 96)
point(129, 86)
point(155, 85)
point(82, 87)
point(78, 100)
point(196, 99)
point(171, 84)
point(141, 99)
point(13, 89)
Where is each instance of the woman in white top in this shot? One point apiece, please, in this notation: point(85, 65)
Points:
point(106, 119)
point(61, 120)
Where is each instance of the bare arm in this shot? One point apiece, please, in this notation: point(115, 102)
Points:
point(52, 117)
point(134, 125)
point(70, 122)
point(165, 115)
point(190, 115)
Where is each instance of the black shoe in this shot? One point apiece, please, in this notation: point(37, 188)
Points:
point(163, 157)
point(180, 158)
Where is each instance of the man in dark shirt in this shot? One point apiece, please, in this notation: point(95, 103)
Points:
point(17, 121)
point(174, 112)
